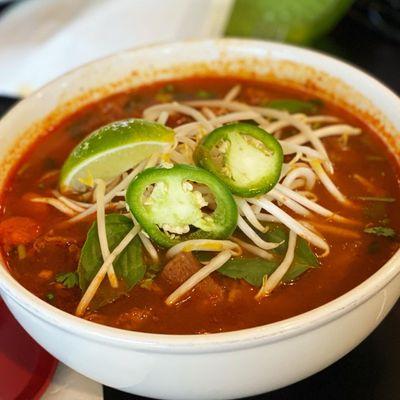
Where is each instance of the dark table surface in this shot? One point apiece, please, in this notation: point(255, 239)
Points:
point(372, 370)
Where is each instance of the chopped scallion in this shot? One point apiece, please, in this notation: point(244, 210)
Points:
point(49, 296)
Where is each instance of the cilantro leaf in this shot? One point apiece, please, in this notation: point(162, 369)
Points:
point(68, 279)
point(381, 231)
point(204, 94)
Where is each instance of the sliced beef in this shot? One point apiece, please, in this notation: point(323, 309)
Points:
point(181, 268)
point(18, 230)
point(132, 319)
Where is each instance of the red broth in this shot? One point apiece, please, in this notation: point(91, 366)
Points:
point(350, 262)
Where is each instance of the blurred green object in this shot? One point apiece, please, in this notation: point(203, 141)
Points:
point(293, 21)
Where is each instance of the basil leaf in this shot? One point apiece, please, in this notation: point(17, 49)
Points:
point(294, 106)
point(381, 231)
point(252, 270)
point(129, 265)
point(204, 256)
point(304, 257)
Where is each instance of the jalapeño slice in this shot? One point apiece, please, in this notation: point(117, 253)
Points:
point(245, 157)
point(170, 206)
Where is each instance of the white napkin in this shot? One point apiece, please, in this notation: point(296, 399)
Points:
point(69, 385)
point(41, 39)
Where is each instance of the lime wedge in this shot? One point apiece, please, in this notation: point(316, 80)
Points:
point(111, 150)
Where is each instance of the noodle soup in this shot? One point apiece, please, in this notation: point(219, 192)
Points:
point(201, 205)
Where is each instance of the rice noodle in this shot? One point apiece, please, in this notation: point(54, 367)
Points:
point(101, 230)
point(214, 264)
point(270, 283)
point(96, 281)
point(204, 245)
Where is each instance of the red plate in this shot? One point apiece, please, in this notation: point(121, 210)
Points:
point(26, 368)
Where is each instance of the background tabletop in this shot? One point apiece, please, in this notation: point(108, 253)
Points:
point(372, 370)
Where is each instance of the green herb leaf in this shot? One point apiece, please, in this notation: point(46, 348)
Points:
point(129, 265)
point(253, 270)
point(204, 256)
point(204, 94)
point(68, 279)
point(304, 257)
point(168, 88)
point(49, 296)
point(294, 106)
point(372, 198)
point(381, 231)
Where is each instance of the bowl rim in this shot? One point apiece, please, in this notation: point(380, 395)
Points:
point(225, 341)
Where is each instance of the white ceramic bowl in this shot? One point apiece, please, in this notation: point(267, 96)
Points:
point(217, 366)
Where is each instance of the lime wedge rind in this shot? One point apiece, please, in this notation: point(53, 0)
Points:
point(111, 150)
